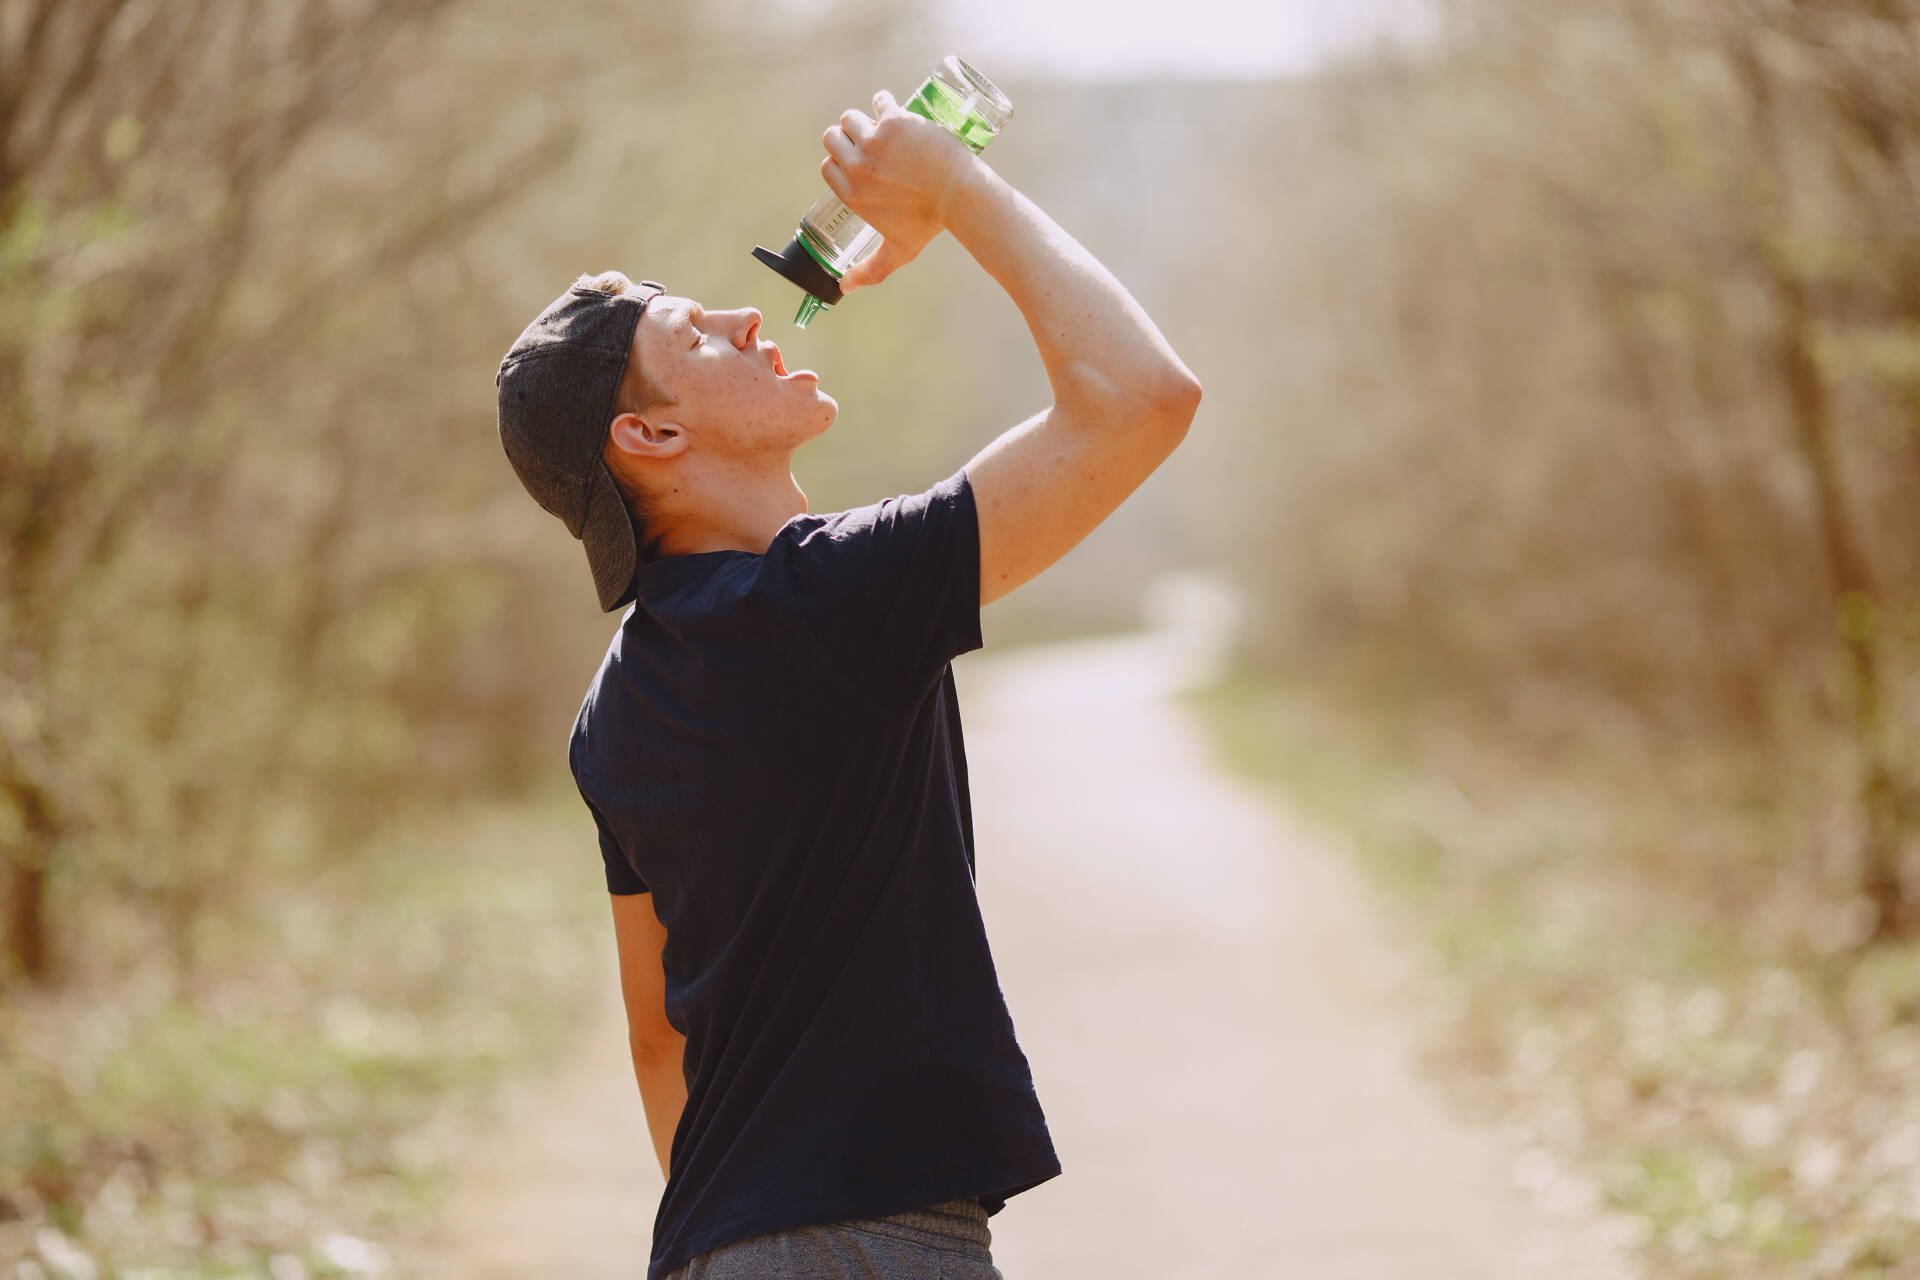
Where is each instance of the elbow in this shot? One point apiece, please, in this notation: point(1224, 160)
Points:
point(1176, 400)
point(1167, 399)
point(656, 1048)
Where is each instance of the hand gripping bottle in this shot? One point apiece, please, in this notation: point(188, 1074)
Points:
point(831, 238)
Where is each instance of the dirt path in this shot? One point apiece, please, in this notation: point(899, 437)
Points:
point(565, 1183)
point(1215, 1012)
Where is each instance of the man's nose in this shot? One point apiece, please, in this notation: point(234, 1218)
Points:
point(751, 319)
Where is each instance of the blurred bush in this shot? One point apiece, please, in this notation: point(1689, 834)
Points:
point(265, 579)
point(1579, 383)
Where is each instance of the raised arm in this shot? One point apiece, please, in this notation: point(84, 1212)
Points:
point(1122, 400)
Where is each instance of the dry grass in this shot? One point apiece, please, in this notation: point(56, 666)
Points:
point(1649, 980)
point(309, 1101)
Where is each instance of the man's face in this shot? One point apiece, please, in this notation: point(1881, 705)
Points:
point(727, 383)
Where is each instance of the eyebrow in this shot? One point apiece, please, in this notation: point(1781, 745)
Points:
point(683, 317)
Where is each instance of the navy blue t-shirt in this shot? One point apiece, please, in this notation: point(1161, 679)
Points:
point(772, 748)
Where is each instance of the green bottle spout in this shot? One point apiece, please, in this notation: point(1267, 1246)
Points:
point(810, 307)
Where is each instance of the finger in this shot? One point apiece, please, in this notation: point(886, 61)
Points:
point(856, 125)
point(836, 177)
point(838, 145)
point(871, 270)
point(882, 101)
point(875, 267)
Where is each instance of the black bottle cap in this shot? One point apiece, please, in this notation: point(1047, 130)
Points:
point(797, 265)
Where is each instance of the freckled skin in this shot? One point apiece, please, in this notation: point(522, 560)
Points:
point(718, 460)
point(716, 365)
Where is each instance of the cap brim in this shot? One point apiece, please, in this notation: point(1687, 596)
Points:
point(607, 533)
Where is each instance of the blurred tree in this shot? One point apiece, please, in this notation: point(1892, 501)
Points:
point(115, 273)
point(259, 589)
point(1628, 381)
point(140, 146)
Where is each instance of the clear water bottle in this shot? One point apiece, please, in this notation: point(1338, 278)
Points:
point(832, 238)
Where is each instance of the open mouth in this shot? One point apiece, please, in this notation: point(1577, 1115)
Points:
point(778, 367)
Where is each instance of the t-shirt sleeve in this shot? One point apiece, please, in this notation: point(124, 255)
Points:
point(892, 589)
point(621, 877)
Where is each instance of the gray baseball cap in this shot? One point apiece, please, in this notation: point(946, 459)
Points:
point(557, 387)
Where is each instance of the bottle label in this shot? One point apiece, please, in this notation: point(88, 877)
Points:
point(834, 219)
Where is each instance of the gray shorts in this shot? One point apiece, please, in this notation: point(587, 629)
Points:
point(943, 1242)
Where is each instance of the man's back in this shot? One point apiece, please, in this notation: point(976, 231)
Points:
point(772, 748)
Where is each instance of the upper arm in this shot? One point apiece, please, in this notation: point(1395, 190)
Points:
point(1044, 485)
point(639, 938)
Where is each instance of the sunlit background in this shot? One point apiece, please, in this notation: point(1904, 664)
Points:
point(1461, 817)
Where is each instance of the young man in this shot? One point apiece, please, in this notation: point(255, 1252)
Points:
point(771, 748)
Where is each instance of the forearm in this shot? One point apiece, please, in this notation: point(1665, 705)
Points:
point(663, 1093)
point(1094, 339)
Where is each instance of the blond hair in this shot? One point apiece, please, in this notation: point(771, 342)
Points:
point(638, 393)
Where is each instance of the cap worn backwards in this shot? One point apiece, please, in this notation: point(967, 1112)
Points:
point(557, 386)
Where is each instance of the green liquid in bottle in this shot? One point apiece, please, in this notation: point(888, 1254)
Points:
point(947, 109)
point(959, 100)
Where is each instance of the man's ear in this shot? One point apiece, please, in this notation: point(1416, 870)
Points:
point(629, 433)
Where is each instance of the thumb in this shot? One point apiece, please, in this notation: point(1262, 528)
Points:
point(875, 267)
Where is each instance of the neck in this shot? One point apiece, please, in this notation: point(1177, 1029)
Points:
point(731, 513)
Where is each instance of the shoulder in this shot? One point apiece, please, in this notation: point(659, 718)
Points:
point(582, 737)
point(951, 491)
point(886, 532)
